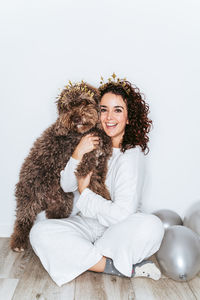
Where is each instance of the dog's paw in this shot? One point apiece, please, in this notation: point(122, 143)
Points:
point(17, 244)
point(18, 249)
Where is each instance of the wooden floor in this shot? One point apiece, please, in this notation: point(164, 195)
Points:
point(22, 277)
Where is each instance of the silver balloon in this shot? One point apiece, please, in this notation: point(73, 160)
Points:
point(179, 254)
point(168, 217)
point(192, 217)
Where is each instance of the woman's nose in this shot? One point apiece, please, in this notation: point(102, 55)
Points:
point(109, 116)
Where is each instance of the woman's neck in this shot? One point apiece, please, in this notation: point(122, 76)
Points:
point(115, 146)
point(115, 143)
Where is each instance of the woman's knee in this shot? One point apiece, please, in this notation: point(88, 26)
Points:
point(39, 232)
point(154, 227)
point(148, 224)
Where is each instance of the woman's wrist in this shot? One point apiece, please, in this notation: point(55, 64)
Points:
point(83, 182)
point(77, 155)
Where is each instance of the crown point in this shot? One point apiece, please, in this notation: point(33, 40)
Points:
point(113, 75)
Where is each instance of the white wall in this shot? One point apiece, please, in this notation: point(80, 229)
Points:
point(154, 43)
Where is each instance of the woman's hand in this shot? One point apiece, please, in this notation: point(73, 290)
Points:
point(86, 144)
point(84, 182)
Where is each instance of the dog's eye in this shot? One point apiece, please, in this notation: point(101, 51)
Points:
point(85, 102)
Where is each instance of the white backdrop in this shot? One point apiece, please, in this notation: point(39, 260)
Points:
point(154, 43)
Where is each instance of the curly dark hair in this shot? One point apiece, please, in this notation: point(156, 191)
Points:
point(136, 132)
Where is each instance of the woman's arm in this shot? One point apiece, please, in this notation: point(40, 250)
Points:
point(68, 179)
point(126, 183)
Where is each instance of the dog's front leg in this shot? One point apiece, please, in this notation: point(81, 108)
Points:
point(99, 187)
point(96, 163)
point(87, 164)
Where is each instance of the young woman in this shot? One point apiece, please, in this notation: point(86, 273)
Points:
point(101, 235)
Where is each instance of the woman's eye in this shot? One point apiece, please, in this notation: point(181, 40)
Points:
point(118, 110)
point(102, 110)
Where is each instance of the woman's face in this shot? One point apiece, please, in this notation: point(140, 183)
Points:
point(114, 117)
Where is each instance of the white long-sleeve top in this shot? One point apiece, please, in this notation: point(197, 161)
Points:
point(124, 181)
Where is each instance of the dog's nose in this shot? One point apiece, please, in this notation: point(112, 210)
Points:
point(76, 119)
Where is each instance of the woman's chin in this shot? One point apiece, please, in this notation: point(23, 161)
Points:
point(110, 131)
point(110, 134)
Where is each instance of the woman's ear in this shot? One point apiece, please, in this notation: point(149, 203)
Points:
point(127, 122)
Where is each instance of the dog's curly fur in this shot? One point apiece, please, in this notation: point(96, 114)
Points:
point(39, 181)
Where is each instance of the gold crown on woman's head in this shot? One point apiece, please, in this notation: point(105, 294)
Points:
point(115, 81)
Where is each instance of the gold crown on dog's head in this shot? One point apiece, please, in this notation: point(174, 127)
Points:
point(71, 88)
point(115, 81)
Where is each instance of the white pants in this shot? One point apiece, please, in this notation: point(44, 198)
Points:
point(69, 247)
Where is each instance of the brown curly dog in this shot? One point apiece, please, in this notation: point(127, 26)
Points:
point(39, 188)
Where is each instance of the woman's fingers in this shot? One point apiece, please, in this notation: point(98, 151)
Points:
point(90, 135)
point(87, 143)
point(95, 144)
point(93, 140)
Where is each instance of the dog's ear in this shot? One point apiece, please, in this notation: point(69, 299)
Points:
point(60, 127)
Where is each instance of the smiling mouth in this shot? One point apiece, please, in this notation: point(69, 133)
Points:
point(111, 125)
